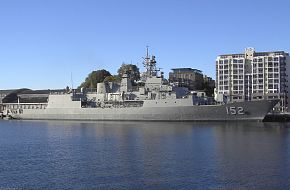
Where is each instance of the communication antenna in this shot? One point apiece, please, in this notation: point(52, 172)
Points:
point(71, 80)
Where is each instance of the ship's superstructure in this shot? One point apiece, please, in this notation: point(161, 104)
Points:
point(155, 100)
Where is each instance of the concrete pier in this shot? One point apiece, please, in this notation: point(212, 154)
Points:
point(277, 117)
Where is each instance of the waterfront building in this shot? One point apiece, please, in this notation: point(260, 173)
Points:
point(3, 94)
point(254, 75)
point(187, 77)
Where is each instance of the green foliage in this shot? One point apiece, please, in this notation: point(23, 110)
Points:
point(67, 89)
point(105, 76)
point(94, 78)
point(209, 90)
point(113, 78)
point(130, 69)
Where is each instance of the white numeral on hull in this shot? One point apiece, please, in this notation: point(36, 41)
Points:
point(235, 110)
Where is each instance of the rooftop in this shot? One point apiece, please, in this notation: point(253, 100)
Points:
point(258, 53)
point(186, 69)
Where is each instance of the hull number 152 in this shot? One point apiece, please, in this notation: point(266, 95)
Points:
point(235, 110)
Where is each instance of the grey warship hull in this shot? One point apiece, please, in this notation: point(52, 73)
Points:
point(154, 99)
point(254, 110)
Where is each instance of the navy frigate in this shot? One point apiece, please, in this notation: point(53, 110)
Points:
point(154, 100)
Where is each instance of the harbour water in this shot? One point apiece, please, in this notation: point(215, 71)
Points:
point(144, 155)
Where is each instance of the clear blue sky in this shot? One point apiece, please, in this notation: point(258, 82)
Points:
point(43, 41)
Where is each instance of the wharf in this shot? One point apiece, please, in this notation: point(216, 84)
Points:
point(277, 117)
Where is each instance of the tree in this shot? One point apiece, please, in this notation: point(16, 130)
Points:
point(209, 90)
point(67, 89)
point(94, 78)
point(113, 78)
point(130, 69)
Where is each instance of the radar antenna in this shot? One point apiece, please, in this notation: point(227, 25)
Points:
point(149, 64)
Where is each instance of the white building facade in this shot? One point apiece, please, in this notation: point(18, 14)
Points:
point(253, 76)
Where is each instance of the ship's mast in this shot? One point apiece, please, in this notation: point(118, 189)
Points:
point(150, 64)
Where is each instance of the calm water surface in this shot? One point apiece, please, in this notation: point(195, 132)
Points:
point(138, 155)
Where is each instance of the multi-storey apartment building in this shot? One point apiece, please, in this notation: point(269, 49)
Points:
point(254, 75)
